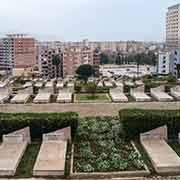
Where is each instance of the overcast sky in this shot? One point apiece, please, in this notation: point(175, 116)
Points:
point(71, 20)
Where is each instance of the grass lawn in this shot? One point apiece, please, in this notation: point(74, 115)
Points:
point(98, 97)
point(176, 147)
point(25, 168)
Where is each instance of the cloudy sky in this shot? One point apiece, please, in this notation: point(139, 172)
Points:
point(71, 20)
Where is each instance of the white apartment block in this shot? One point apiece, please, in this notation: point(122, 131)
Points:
point(163, 67)
point(168, 62)
point(173, 27)
point(174, 63)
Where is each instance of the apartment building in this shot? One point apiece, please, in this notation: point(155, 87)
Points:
point(135, 47)
point(73, 57)
point(6, 55)
point(169, 63)
point(96, 61)
point(173, 27)
point(112, 46)
point(17, 51)
point(123, 46)
point(24, 51)
point(163, 67)
point(175, 63)
point(46, 67)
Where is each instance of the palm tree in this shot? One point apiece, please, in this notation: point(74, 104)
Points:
point(137, 60)
point(56, 61)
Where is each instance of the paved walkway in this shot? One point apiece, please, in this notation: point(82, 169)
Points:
point(152, 178)
point(84, 109)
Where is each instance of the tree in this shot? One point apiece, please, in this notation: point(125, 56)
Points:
point(171, 79)
point(56, 61)
point(91, 88)
point(85, 71)
point(152, 58)
point(137, 59)
point(104, 59)
point(119, 58)
point(178, 70)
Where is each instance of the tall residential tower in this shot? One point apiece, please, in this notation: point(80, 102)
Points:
point(173, 27)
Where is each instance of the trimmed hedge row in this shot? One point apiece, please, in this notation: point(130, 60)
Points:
point(136, 121)
point(39, 123)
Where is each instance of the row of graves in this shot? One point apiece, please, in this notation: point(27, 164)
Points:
point(63, 92)
point(50, 160)
point(44, 93)
point(59, 84)
point(137, 93)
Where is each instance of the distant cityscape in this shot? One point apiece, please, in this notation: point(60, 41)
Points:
point(22, 54)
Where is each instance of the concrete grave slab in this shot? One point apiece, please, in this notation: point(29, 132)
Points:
point(12, 150)
point(139, 95)
point(129, 83)
point(159, 94)
point(119, 83)
point(175, 92)
point(100, 84)
point(60, 84)
point(23, 96)
point(27, 84)
point(52, 155)
point(43, 96)
point(64, 96)
point(108, 84)
point(163, 157)
point(4, 94)
point(117, 95)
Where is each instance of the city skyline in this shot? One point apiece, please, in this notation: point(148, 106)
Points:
point(74, 21)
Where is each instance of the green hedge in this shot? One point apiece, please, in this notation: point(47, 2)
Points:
point(39, 123)
point(136, 121)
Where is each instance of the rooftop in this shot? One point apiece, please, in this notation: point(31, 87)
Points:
point(174, 6)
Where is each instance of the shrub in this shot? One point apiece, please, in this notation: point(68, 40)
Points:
point(39, 123)
point(103, 89)
point(171, 79)
point(135, 121)
point(150, 84)
point(91, 87)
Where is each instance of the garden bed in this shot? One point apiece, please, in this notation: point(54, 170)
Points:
point(99, 151)
point(94, 98)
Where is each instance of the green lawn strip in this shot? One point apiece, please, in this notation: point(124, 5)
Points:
point(175, 146)
point(68, 160)
point(90, 97)
point(145, 156)
point(25, 168)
